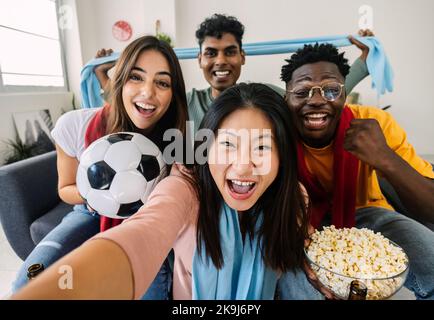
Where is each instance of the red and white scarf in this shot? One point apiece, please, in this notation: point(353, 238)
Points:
point(96, 129)
point(345, 174)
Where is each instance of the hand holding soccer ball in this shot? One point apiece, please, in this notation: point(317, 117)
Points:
point(117, 173)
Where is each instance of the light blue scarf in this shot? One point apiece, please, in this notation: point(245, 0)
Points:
point(89, 85)
point(243, 276)
point(378, 65)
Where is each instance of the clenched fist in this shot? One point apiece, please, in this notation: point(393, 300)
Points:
point(365, 140)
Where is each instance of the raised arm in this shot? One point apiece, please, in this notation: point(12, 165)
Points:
point(101, 71)
point(99, 269)
point(358, 70)
point(366, 140)
point(122, 262)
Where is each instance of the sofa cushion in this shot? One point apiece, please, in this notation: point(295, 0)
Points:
point(43, 225)
point(393, 199)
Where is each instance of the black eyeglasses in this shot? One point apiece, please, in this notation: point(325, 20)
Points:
point(329, 91)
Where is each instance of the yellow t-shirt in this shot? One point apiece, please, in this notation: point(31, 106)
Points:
point(320, 161)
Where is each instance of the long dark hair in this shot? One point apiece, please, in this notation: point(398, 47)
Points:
point(175, 116)
point(285, 220)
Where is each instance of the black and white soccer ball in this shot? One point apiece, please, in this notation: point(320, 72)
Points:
point(117, 173)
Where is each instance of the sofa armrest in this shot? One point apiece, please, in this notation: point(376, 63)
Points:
point(394, 200)
point(28, 189)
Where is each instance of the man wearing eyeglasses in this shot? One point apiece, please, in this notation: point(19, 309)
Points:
point(341, 150)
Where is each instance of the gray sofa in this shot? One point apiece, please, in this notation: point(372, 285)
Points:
point(393, 199)
point(30, 206)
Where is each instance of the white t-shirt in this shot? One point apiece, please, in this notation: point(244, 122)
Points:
point(70, 130)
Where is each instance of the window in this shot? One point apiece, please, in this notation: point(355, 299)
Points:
point(30, 54)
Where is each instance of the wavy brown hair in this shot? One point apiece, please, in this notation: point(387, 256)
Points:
point(175, 116)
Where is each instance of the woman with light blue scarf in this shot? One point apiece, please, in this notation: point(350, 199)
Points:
point(236, 222)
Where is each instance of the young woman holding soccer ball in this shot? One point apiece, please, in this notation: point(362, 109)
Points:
point(147, 96)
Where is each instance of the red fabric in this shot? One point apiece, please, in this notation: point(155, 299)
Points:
point(95, 130)
point(345, 172)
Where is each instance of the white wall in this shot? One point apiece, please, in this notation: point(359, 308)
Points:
point(96, 18)
point(11, 103)
point(404, 27)
point(72, 50)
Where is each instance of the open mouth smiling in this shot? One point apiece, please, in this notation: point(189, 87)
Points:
point(241, 190)
point(221, 74)
point(144, 108)
point(316, 120)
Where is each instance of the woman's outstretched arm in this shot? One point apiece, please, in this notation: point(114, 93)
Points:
point(99, 269)
point(122, 262)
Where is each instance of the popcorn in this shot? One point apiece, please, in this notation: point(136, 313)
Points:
point(357, 253)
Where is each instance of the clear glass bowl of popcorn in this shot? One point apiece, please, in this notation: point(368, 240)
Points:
point(340, 256)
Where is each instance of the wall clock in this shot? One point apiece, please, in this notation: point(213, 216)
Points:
point(122, 30)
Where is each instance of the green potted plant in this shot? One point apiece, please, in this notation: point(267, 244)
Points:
point(160, 35)
point(17, 150)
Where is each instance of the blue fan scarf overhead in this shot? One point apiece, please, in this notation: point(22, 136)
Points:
point(377, 62)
